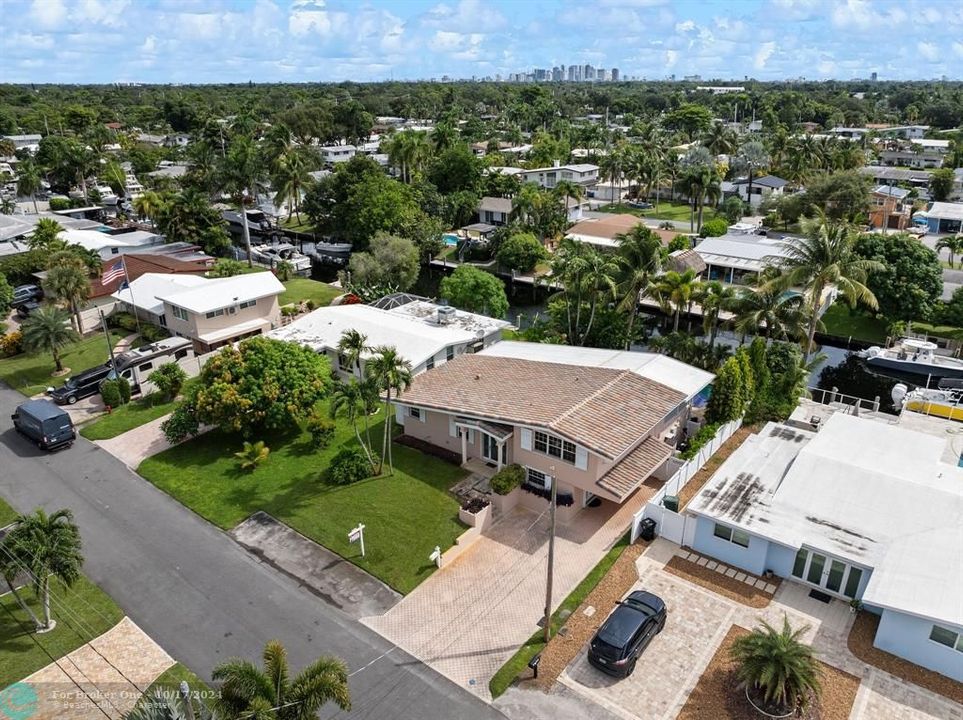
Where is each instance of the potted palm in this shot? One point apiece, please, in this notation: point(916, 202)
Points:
point(780, 673)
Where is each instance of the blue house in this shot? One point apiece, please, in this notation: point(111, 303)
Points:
point(943, 217)
point(860, 510)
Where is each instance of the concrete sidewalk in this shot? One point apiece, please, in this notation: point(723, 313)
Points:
point(134, 446)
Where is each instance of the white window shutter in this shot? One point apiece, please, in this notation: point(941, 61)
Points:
point(526, 439)
point(400, 414)
point(422, 414)
point(452, 430)
point(581, 458)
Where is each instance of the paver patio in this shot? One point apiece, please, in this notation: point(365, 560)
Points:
point(697, 622)
point(113, 669)
point(470, 617)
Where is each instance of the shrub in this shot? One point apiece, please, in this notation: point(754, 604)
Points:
point(124, 388)
point(225, 267)
point(507, 479)
point(11, 344)
point(705, 434)
point(252, 455)
point(714, 228)
point(321, 430)
point(310, 305)
point(349, 466)
point(181, 424)
point(679, 242)
point(152, 333)
point(290, 310)
point(122, 320)
point(59, 203)
point(169, 379)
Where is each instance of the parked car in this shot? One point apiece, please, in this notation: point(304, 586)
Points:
point(80, 386)
point(46, 424)
point(640, 205)
point(25, 293)
point(25, 308)
point(617, 645)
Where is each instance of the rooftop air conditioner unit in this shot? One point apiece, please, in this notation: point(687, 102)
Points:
point(445, 315)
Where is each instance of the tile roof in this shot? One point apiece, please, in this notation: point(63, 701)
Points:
point(636, 467)
point(603, 409)
point(682, 260)
point(142, 263)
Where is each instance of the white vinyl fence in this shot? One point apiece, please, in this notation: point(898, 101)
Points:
point(669, 524)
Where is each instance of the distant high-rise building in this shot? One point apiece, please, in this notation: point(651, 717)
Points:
point(615, 74)
point(574, 72)
point(588, 73)
point(602, 74)
point(873, 77)
point(557, 74)
point(539, 73)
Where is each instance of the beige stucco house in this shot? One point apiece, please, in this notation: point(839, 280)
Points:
point(601, 422)
point(211, 312)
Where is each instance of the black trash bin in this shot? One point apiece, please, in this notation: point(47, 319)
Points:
point(647, 529)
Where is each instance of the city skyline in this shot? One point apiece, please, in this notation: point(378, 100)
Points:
point(190, 41)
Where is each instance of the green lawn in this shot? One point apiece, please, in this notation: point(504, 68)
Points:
point(169, 684)
point(292, 223)
point(507, 673)
point(7, 514)
point(667, 211)
point(130, 416)
point(90, 612)
point(303, 289)
point(31, 374)
point(843, 322)
point(406, 515)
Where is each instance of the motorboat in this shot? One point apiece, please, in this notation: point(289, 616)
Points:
point(914, 357)
point(944, 403)
point(282, 252)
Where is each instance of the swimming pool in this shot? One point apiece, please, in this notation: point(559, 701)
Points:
point(450, 238)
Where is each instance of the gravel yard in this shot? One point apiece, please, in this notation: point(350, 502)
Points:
point(718, 583)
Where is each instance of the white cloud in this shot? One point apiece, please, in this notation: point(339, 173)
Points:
point(48, 13)
point(466, 16)
point(310, 16)
point(103, 12)
point(150, 45)
point(632, 3)
point(31, 41)
point(958, 49)
point(852, 14)
point(763, 54)
point(826, 68)
point(929, 51)
point(685, 26)
point(670, 58)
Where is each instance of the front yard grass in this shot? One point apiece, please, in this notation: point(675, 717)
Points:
point(841, 321)
point(88, 609)
point(406, 514)
point(7, 514)
point(134, 414)
point(298, 290)
point(168, 684)
point(31, 373)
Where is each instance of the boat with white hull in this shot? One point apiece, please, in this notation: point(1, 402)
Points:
point(914, 357)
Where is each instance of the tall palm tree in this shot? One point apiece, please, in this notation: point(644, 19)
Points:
point(769, 306)
point(290, 178)
point(779, 664)
point(714, 297)
point(612, 168)
point(46, 236)
point(587, 277)
point(953, 244)
point(348, 400)
point(29, 181)
point(148, 205)
point(47, 329)
point(753, 156)
point(569, 190)
point(253, 693)
point(675, 290)
point(823, 257)
point(720, 140)
point(68, 279)
point(240, 173)
point(391, 372)
point(639, 259)
point(351, 346)
point(45, 546)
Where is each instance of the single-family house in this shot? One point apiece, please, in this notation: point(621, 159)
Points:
point(172, 259)
point(211, 312)
point(600, 422)
point(30, 143)
point(861, 510)
point(584, 174)
point(735, 257)
point(114, 242)
point(603, 229)
point(919, 153)
point(918, 179)
point(890, 208)
point(337, 153)
point(496, 211)
point(763, 188)
point(942, 217)
point(424, 333)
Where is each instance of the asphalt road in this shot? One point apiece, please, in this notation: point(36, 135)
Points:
point(201, 596)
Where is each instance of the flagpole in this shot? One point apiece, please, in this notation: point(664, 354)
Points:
point(130, 288)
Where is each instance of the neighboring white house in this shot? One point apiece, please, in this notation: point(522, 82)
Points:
point(763, 188)
point(30, 143)
point(734, 257)
point(423, 333)
point(211, 312)
point(860, 510)
point(495, 211)
point(109, 244)
point(337, 153)
point(584, 174)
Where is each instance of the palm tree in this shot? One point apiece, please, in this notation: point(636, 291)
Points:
point(675, 290)
point(611, 168)
point(391, 372)
point(639, 259)
point(823, 257)
point(769, 305)
point(714, 297)
point(290, 178)
point(351, 346)
point(46, 236)
point(778, 664)
point(47, 329)
point(348, 400)
point(241, 171)
point(68, 279)
point(45, 546)
point(29, 182)
point(166, 705)
point(587, 276)
point(148, 205)
point(569, 191)
point(753, 156)
point(720, 140)
point(250, 692)
point(954, 244)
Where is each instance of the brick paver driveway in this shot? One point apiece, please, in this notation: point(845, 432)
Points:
point(467, 619)
point(698, 621)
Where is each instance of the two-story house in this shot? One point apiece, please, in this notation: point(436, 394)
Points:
point(211, 312)
point(584, 174)
point(600, 422)
point(337, 153)
point(496, 211)
point(890, 208)
point(763, 188)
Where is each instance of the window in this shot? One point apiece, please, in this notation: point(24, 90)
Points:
point(852, 582)
point(214, 313)
point(247, 304)
point(538, 478)
point(344, 365)
point(145, 367)
point(450, 353)
point(733, 535)
point(179, 313)
point(835, 579)
point(414, 412)
point(180, 354)
point(554, 446)
point(799, 566)
point(430, 363)
point(945, 636)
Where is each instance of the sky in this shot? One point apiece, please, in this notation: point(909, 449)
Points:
point(208, 41)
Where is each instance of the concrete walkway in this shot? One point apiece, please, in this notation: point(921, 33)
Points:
point(346, 586)
point(113, 669)
point(470, 617)
point(134, 446)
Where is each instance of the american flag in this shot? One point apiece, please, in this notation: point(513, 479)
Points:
point(113, 272)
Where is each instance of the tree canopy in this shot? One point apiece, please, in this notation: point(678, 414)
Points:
point(911, 280)
point(475, 290)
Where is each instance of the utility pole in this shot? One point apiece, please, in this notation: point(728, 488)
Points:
point(110, 345)
point(551, 561)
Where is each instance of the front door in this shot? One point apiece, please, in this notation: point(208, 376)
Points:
point(490, 449)
point(827, 573)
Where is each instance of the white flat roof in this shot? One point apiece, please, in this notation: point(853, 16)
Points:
point(223, 292)
point(144, 291)
point(874, 494)
point(740, 250)
point(416, 338)
point(946, 211)
point(96, 240)
point(658, 368)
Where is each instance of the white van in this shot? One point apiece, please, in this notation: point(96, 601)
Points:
point(136, 364)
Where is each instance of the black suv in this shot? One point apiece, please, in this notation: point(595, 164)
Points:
point(80, 386)
point(626, 633)
point(22, 294)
